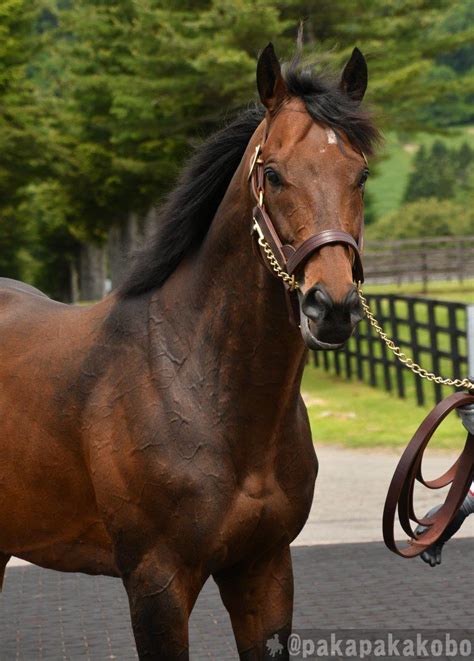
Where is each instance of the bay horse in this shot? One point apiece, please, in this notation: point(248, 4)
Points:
point(159, 435)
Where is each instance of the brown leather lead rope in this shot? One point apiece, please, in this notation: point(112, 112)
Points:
point(408, 471)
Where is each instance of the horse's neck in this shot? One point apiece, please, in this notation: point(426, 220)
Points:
point(232, 315)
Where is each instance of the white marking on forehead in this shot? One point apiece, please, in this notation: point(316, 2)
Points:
point(332, 140)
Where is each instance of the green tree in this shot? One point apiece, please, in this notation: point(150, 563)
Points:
point(425, 217)
point(420, 178)
point(441, 172)
point(464, 158)
point(104, 114)
point(405, 42)
point(19, 150)
point(135, 84)
point(46, 212)
point(458, 18)
point(433, 174)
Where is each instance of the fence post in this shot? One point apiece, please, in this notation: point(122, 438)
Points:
point(424, 270)
point(461, 262)
point(470, 341)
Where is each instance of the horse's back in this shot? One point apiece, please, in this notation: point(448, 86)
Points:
point(17, 286)
point(34, 331)
point(18, 299)
point(30, 333)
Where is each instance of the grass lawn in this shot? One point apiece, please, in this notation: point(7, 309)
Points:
point(355, 415)
point(440, 290)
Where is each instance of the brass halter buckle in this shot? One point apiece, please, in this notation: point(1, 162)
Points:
point(256, 228)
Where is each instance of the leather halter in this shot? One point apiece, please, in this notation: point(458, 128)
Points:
point(290, 259)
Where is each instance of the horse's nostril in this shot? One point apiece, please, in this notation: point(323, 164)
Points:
point(318, 306)
point(354, 306)
point(320, 300)
point(316, 302)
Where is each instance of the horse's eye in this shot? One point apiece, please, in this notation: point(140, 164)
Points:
point(363, 179)
point(272, 176)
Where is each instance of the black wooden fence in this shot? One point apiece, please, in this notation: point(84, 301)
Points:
point(432, 332)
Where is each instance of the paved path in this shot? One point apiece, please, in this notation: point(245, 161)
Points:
point(350, 494)
point(52, 616)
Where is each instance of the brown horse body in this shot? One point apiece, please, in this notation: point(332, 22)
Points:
point(162, 437)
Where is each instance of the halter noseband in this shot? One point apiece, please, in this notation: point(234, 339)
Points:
point(283, 260)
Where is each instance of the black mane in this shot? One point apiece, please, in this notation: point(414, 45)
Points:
point(187, 212)
point(328, 104)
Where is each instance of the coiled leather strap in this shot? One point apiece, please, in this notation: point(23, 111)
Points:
point(400, 492)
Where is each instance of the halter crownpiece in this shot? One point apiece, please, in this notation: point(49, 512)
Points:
point(283, 260)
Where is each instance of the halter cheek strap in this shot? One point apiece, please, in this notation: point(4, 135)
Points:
point(284, 260)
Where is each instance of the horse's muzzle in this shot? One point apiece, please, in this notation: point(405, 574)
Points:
point(325, 324)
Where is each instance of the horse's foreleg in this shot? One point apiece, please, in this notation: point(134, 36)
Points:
point(259, 598)
point(3, 563)
point(161, 598)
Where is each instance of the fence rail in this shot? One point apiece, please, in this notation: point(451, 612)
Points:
point(434, 333)
point(419, 259)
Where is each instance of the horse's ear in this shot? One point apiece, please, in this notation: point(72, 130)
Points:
point(270, 83)
point(354, 77)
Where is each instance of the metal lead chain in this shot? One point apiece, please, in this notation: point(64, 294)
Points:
point(286, 277)
point(403, 358)
point(290, 280)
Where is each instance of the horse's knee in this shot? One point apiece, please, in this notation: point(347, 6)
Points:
point(259, 599)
